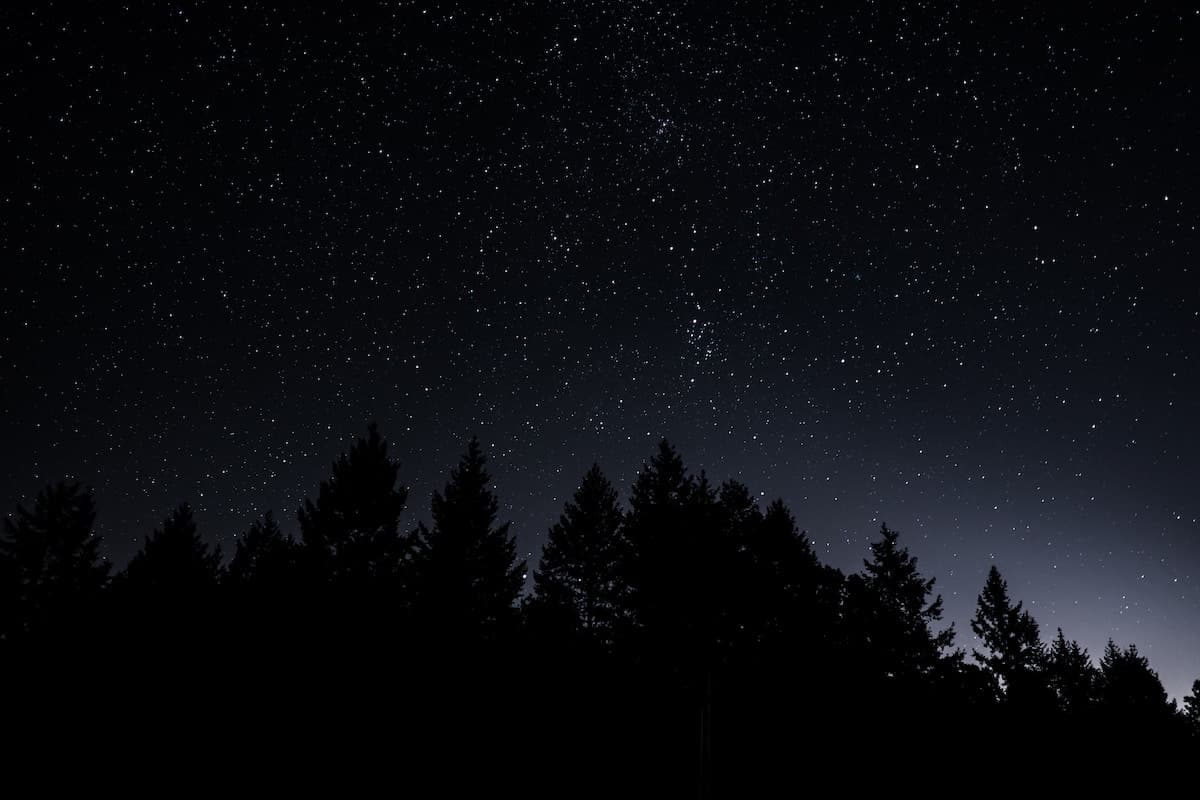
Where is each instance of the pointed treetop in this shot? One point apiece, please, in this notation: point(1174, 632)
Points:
point(664, 481)
point(1010, 635)
point(352, 531)
point(468, 575)
point(174, 558)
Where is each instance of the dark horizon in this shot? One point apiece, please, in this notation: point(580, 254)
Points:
point(960, 590)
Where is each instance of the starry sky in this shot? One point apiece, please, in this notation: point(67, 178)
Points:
point(916, 263)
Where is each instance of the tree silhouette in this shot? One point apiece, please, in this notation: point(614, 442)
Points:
point(264, 559)
point(654, 539)
point(467, 574)
point(168, 593)
point(794, 593)
point(1191, 708)
point(49, 560)
point(174, 564)
point(1010, 635)
point(577, 580)
point(890, 606)
point(696, 635)
point(722, 534)
point(1070, 674)
point(682, 561)
point(351, 533)
point(1129, 691)
point(268, 609)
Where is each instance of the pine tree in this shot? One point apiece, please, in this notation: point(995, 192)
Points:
point(786, 565)
point(1070, 674)
point(49, 560)
point(351, 533)
point(654, 537)
point(1129, 690)
point(890, 607)
point(466, 569)
point(265, 559)
point(174, 564)
point(1014, 651)
point(578, 572)
point(780, 548)
point(750, 596)
point(681, 561)
point(1191, 708)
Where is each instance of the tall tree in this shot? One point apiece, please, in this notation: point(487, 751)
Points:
point(681, 562)
point(1070, 674)
point(654, 532)
point(1191, 708)
point(351, 533)
point(174, 565)
point(49, 560)
point(747, 596)
point(1129, 688)
point(1014, 650)
point(466, 570)
point(577, 579)
point(891, 607)
point(270, 610)
point(788, 581)
point(265, 559)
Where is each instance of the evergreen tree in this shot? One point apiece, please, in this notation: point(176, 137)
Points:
point(1014, 651)
point(1191, 708)
point(1129, 689)
point(780, 548)
point(1070, 674)
point(731, 590)
point(737, 589)
point(682, 561)
point(49, 560)
point(467, 574)
point(793, 599)
point(578, 577)
point(270, 613)
point(174, 565)
point(788, 580)
point(654, 537)
point(265, 559)
point(891, 609)
point(351, 533)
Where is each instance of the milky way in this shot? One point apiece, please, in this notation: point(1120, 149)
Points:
point(923, 264)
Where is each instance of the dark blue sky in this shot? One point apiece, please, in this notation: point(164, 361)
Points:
point(916, 263)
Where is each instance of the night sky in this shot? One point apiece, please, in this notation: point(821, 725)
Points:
point(920, 264)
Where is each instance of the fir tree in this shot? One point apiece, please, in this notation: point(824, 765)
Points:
point(797, 594)
point(1129, 687)
point(654, 538)
point(1014, 651)
point(1191, 708)
point(264, 558)
point(467, 574)
point(750, 594)
point(49, 560)
point(1070, 674)
point(174, 564)
point(780, 548)
point(891, 607)
point(578, 572)
point(682, 563)
point(351, 533)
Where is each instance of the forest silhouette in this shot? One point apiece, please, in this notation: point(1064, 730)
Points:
point(689, 637)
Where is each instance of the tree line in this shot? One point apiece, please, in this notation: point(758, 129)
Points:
point(688, 633)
